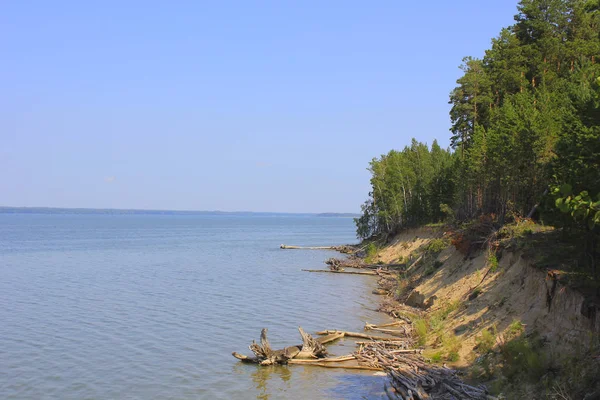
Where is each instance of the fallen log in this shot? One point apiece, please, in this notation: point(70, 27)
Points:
point(341, 249)
point(393, 332)
point(327, 365)
point(391, 343)
point(341, 272)
point(395, 323)
point(330, 338)
point(324, 360)
point(337, 263)
point(357, 335)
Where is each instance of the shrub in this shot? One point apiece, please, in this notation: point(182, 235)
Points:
point(476, 292)
point(436, 245)
point(486, 341)
point(522, 358)
point(420, 326)
point(448, 213)
point(493, 262)
point(371, 252)
point(515, 329)
point(436, 357)
point(453, 356)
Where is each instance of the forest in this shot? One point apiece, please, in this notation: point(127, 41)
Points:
point(525, 136)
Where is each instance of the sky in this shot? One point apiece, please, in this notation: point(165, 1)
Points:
point(223, 105)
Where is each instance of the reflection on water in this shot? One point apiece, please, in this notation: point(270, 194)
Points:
point(262, 376)
point(151, 306)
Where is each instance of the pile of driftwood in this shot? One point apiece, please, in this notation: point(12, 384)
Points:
point(411, 376)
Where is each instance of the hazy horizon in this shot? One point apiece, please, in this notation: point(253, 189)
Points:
point(4, 208)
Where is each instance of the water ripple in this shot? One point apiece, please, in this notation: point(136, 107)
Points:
point(151, 307)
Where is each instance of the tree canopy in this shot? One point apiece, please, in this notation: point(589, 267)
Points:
point(525, 121)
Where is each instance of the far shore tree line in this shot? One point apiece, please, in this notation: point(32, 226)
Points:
point(525, 132)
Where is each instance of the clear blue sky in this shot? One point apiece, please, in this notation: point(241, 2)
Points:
point(229, 105)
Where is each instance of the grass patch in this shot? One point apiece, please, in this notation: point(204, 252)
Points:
point(493, 262)
point(438, 318)
point(421, 329)
point(436, 356)
point(516, 328)
point(453, 356)
point(486, 341)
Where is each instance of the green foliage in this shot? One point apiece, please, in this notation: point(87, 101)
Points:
point(486, 341)
point(437, 245)
point(371, 252)
point(436, 356)
point(582, 208)
point(515, 329)
point(475, 293)
point(522, 357)
point(407, 188)
point(453, 356)
point(438, 317)
point(421, 329)
point(525, 119)
point(492, 262)
point(447, 212)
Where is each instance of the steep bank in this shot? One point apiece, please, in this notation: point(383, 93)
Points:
point(503, 321)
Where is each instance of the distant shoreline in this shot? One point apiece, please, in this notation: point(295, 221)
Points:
point(117, 211)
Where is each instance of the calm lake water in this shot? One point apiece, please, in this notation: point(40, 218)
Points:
point(151, 306)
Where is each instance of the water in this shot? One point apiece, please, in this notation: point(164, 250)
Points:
point(151, 306)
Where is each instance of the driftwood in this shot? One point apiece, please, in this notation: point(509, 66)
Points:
point(341, 272)
point(382, 329)
point(357, 335)
point(413, 378)
point(389, 343)
point(341, 249)
point(265, 355)
point(345, 366)
point(337, 264)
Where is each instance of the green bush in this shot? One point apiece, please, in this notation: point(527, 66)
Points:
point(486, 341)
point(515, 329)
point(521, 357)
point(437, 245)
point(493, 262)
point(421, 328)
point(371, 252)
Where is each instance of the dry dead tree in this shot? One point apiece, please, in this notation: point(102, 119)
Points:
point(265, 355)
point(310, 348)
